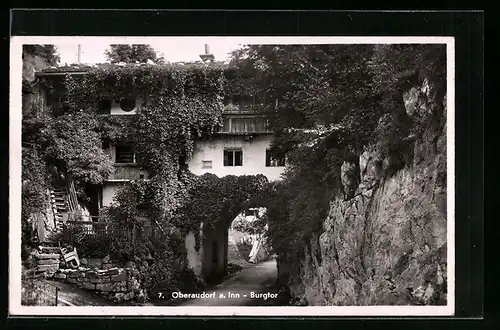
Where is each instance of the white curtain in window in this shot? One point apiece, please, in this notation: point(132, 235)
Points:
point(251, 125)
point(238, 125)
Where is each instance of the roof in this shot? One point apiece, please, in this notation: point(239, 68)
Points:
point(82, 68)
point(28, 86)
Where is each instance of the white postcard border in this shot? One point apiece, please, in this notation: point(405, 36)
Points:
point(15, 307)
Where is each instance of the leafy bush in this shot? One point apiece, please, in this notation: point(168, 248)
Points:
point(334, 101)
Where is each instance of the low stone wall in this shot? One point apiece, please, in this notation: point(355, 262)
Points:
point(100, 263)
point(115, 284)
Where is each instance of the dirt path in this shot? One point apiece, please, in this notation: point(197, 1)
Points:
point(243, 288)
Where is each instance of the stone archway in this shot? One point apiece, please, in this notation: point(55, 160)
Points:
point(215, 249)
point(217, 202)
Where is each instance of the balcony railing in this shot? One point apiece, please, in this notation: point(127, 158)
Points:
point(128, 172)
point(148, 230)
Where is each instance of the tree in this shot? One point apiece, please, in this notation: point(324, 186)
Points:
point(132, 54)
point(332, 99)
point(46, 52)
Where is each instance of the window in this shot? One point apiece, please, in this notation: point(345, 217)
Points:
point(105, 144)
point(227, 125)
point(238, 125)
point(242, 99)
point(125, 153)
point(244, 125)
point(206, 164)
point(104, 107)
point(274, 162)
point(127, 104)
point(233, 157)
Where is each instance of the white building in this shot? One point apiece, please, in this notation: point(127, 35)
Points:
point(241, 147)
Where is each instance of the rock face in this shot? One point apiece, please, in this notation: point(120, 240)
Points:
point(384, 242)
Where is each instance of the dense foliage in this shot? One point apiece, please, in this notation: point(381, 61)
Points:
point(34, 194)
point(213, 200)
point(334, 101)
point(180, 103)
point(132, 53)
point(68, 144)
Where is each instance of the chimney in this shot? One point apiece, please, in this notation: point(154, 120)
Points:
point(79, 53)
point(207, 56)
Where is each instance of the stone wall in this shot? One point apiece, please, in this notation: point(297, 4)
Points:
point(384, 241)
point(115, 284)
point(100, 263)
point(96, 274)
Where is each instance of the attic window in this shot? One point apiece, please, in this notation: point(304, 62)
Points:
point(127, 104)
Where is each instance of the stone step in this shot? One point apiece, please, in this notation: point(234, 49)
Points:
point(47, 267)
point(48, 256)
point(48, 262)
point(49, 249)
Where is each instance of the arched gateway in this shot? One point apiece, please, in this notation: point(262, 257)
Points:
point(208, 254)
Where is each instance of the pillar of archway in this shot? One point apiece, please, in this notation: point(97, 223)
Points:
point(214, 246)
point(212, 243)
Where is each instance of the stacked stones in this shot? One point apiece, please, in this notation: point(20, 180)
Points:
point(116, 284)
point(47, 260)
point(101, 263)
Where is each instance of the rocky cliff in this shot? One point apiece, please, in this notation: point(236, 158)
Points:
point(384, 240)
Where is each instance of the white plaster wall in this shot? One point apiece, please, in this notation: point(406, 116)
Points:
point(108, 192)
point(254, 156)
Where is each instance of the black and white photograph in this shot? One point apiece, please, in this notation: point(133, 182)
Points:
point(232, 176)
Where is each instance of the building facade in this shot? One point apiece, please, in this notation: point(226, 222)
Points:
point(240, 147)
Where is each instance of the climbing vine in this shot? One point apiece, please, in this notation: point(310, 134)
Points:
point(214, 200)
point(179, 103)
